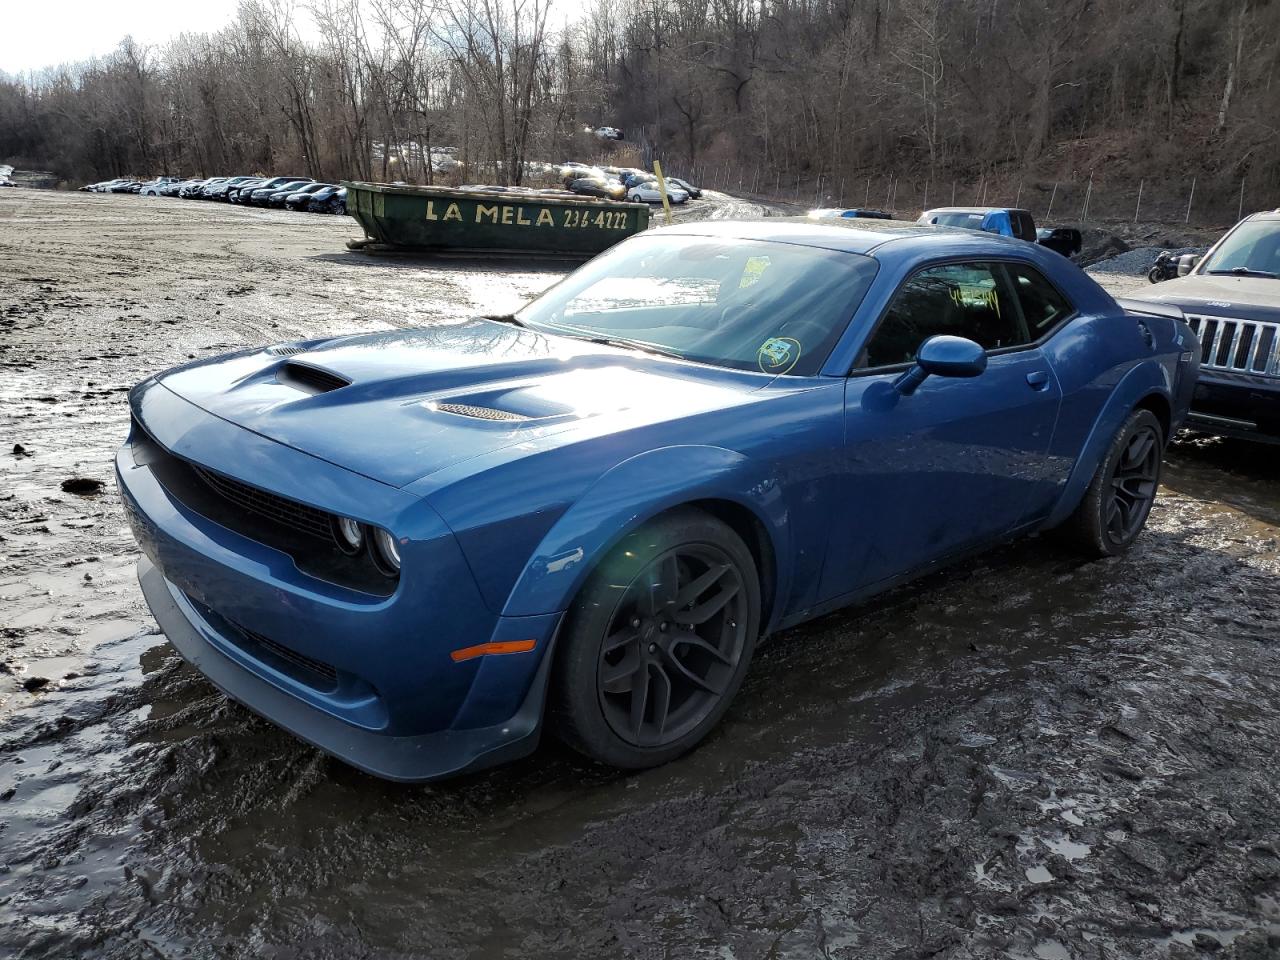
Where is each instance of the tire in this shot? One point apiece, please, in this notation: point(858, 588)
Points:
point(1116, 505)
point(669, 620)
point(1155, 275)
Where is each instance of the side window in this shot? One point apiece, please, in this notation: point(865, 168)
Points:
point(960, 299)
point(1042, 305)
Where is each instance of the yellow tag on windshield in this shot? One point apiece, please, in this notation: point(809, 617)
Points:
point(753, 271)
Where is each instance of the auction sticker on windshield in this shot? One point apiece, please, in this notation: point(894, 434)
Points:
point(778, 355)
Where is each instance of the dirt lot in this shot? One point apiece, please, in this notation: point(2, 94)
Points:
point(1025, 758)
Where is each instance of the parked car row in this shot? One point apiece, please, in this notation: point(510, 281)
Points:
point(127, 185)
point(292, 193)
point(619, 183)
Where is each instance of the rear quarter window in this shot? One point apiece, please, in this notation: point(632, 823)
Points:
point(1043, 306)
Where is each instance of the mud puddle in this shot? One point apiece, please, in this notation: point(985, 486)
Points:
point(1027, 757)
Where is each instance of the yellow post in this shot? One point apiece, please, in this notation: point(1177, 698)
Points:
point(662, 187)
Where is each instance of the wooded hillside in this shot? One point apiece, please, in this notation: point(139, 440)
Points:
point(774, 91)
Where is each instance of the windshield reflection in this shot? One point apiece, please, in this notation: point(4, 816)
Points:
point(746, 304)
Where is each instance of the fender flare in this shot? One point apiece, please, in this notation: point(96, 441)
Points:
point(632, 493)
point(1144, 380)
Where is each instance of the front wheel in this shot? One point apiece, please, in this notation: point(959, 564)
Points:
point(657, 642)
point(1116, 505)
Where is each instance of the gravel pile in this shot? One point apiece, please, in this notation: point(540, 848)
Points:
point(1138, 261)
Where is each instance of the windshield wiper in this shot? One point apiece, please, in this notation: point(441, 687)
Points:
point(635, 345)
point(510, 318)
point(1244, 272)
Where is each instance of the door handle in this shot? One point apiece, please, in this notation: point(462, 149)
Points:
point(1038, 379)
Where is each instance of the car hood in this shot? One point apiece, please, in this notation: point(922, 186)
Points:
point(1248, 298)
point(402, 405)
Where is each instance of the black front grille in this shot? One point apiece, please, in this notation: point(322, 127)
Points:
point(280, 509)
point(309, 379)
point(301, 531)
point(314, 673)
point(324, 671)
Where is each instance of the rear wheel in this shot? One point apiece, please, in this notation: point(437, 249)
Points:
point(658, 642)
point(1116, 506)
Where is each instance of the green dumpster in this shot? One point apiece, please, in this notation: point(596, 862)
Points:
point(397, 217)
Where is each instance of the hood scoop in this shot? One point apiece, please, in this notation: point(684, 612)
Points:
point(478, 413)
point(309, 379)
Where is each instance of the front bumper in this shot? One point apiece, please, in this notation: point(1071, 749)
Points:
point(427, 756)
point(366, 678)
point(1236, 405)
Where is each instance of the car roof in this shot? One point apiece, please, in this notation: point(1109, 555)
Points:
point(972, 210)
point(1265, 215)
point(854, 235)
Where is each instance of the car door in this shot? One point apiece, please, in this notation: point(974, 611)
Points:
point(958, 462)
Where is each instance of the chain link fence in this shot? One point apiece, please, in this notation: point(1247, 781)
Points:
point(1079, 202)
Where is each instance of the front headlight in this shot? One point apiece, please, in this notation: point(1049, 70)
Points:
point(386, 550)
point(348, 535)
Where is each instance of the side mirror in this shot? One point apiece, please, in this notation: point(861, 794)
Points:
point(943, 356)
point(1186, 263)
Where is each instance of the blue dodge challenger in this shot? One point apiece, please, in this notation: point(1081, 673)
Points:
point(414, 549)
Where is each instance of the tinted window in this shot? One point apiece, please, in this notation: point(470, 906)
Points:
point(959, 299)
point(1042, 305)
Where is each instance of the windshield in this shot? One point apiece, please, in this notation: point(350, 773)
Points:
point(752, 305)
point(1251, 248)
point(972, 221)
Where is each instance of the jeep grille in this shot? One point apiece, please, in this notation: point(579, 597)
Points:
point(1238, 346)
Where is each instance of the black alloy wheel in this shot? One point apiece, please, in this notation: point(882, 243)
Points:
point(657, 642)
point(1133, 484)
point(673, 645)
point(1115, 508)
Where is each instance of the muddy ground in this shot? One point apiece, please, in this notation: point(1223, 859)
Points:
point(1029, 757)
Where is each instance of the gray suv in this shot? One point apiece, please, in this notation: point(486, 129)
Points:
point(1231, 299)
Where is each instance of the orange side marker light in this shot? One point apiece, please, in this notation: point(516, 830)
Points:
point(500, 646)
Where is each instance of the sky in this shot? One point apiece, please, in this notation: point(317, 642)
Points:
point(35, 35)
point(32, 38)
